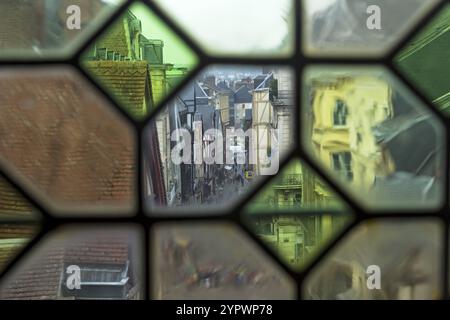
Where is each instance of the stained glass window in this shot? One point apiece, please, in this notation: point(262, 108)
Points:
point(251, 149)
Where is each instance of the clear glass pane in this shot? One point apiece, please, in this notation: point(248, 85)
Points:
point(425, 60)
point(209, 151)
point(80, 262)
point(213, 261)
point(65, 142)
point(236, 27)
point(359, 27)
point(139, 60)
point(48, 28)
point(382, 259)
point(373, 137)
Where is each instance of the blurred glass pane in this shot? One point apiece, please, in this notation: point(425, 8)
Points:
point(12, 204)
point(382, 259)
point(214, 261)
point(297, 215)
point(359, 27)
point(46, 28)
point(64, 140)
point(139, 60)
point(209, 151)
point(374, 137)
point(425, 60)
point(13, 238)
point(236, 27)
point(80, 262)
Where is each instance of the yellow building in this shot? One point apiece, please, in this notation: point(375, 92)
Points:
point(344, 111)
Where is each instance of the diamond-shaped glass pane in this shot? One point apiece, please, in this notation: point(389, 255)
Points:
point(374, 137)
point(49, 28)
point(425, 61)
point(65, 143)
point(359, 27)
point(296, 215)
point(80, 262)
point(236, 27)
point(382, 259)
point(208, 151)
point(213, 261)
point(139, 60)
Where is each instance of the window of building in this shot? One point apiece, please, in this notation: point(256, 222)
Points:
point(340, 113)
point(342, 164)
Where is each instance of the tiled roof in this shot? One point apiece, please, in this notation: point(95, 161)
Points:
point(115, 38)
point(127, 80)
point(12, 239)
point(40, 278)
point(11, 202)
point(62, 137)
point(21, 29)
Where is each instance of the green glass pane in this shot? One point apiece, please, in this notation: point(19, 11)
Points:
point(385, 259)
point(213, 261)
point(425, 61)
point(139, 60)
point(49, 28)
point(13, 238)
point(366, 130)
point(297, 215)
point(296, 188)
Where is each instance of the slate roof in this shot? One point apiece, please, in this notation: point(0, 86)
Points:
point(40, 277)
point(128, 81)
point(242, 95)
point(63, 139)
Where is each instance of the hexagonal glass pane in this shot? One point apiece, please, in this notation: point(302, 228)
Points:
point(64, 142)
point(139, 60)
point(382, 259)
point(374, 137)
point(49, 28)
point(425, 60)
point(80, 262)
point(208, 151)
point(297, 215)
point(205, 261)
point(359, 27)
point(13, 238)
point(260, 28)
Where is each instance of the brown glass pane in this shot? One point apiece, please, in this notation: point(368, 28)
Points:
point(213, 261)
point(79, 262)
point(382, 259)
point(64, 141)
point(48, 28)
